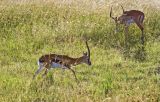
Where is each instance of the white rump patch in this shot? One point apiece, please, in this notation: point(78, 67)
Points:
point(40, 64)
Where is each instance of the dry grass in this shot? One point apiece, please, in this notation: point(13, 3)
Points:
point(30, 28)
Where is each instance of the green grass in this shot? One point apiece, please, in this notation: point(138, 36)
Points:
point(28, 31)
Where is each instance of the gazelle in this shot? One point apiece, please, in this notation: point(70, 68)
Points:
point(49, 61)
point(128, 17)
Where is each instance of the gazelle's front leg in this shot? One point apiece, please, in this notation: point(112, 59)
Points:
point(45, 73)
point(73, 73)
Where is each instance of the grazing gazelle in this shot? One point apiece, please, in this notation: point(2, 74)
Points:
point(49, 61)
point(128, 17)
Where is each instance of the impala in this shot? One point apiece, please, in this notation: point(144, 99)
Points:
point(128, 17)
point(49, 61)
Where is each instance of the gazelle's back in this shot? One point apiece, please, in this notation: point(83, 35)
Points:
point(55, 58)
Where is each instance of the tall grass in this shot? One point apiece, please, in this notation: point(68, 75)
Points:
point(30, 29)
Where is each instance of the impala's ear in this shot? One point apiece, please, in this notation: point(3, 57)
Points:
point(122, 9)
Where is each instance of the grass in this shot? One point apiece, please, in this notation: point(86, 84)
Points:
point(29, 30)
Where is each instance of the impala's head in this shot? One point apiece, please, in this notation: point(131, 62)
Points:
point(86, 56)
point(118, 20)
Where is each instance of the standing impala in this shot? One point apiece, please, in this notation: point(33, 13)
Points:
point(49, 61)
point(128, 17)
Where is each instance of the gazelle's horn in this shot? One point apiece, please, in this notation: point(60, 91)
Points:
point(88, 49)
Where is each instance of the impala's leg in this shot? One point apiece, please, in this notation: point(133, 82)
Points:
point(39, 70)
point(117, 29)
point(126, 36)
point(73, 73)
point(142, 37)
point(140, 25)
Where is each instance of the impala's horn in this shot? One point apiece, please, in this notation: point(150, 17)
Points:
point(122, 8)
point(111, 14)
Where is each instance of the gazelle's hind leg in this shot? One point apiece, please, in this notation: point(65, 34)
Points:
point(39, 69)
point(45, 73)
point(47, 67)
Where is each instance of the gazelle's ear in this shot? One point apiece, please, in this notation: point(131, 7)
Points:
point(84, 53)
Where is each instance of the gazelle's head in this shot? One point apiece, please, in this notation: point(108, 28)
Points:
point(118, 20)
point(86, 56)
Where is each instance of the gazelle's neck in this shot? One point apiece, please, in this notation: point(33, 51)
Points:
point(77, 61)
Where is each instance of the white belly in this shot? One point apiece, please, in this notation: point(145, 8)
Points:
point(130, 21)
point(53, 65)
point(57, 65)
